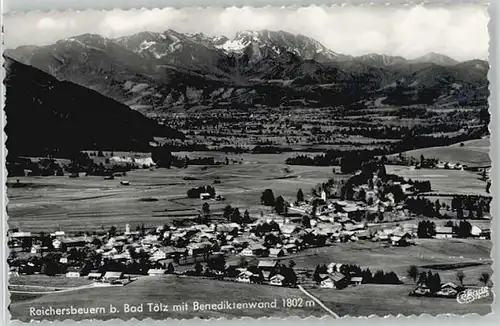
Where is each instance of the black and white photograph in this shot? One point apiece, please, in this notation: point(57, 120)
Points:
point(228, 162)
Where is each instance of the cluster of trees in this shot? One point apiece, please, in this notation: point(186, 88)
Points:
point(426, 229)
point(233, 214)
point(43, 167)
point(475, 206)
point(462, 229)
point(429, 279)
point(351, 160)
point(196, 192)
point(264, 228)
point(379, 277)
point(423, 206)
point(280, 206)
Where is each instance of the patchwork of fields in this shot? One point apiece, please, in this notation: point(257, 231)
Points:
point(90, 202)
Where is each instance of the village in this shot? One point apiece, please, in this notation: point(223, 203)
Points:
point(369, 207)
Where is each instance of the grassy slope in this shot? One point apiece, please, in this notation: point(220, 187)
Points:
point(473, 153)
point(172, 290)
point(383, 300)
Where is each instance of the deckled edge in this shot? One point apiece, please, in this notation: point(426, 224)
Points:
point(5, 297)
point(493, 9)
point(108, 5)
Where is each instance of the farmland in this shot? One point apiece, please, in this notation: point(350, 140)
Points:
point(444, 181)
point(172, 290)
point(472, 153)
point(87, 202)
point(386, 300)
point(425, 254)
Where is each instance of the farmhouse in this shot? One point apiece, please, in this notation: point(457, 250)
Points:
point(246, 252)
point(205, 196)
point(276, 252)
point(356, 280)
point(334, 280)
point(290, 248)
point(56, 243)
point(112, 276)
point(277, 280)
point(156, 271)
point(74, 271)
point(94, 275)
point(443, 232)
point(333, 267)
point(289, 230)
point(267, 265)
point(448, 290)
point(244, 277)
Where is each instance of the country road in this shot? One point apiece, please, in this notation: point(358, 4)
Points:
point(321, 304)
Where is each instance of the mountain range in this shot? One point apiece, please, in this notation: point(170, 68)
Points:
point(155, 72)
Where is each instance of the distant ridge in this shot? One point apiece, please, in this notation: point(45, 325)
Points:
point(153, 72)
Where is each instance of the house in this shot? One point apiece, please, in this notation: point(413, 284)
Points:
point(399, 241)
point(267, 265)
point(266, 275)
point(276, 252)
point(444, 232)
point(476, 231)
point(112, 276)
point(363, 235)
point(56, 243)
point(244, 277)
point(448, 290)
point(333, 267)
point(94, 275)
point(277, 280)
point(356, 280)
point(289, 230)
point(156, 271)
point(74, 271)
point(258, 250)
point(227, 248)
point(160, 254)
point(334, 280)
point(246, 252)
point(290, 248)
point(205, 196)
point(35, 249)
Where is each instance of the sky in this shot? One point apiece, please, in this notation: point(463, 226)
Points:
point(459, 31)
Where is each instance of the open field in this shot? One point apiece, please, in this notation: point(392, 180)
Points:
point(384, 300)
point(48, 281)
point(171, 290)
point(426, 252)
point(90, 202)
point(473, 153)
point(444, 181)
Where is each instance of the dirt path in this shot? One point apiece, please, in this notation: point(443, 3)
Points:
point(321, 304)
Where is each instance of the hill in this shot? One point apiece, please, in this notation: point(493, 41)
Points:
point(46, 115)
point(472, 153)
point(154, 72)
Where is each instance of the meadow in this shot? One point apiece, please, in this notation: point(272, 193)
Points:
point(393, 300)
point(471, 153)
point(443, 181)
point(426, 254)
point(170, 290)
point(89, 202)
